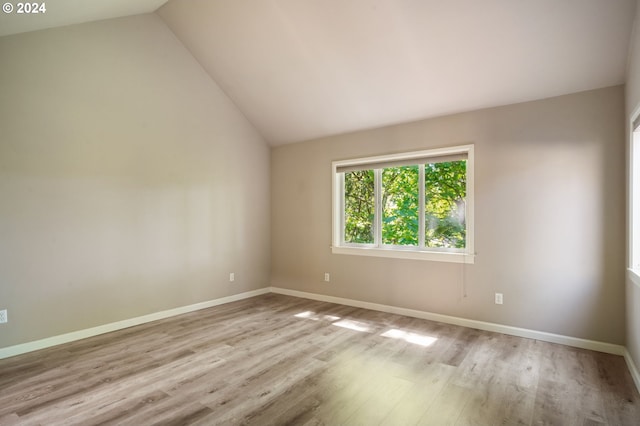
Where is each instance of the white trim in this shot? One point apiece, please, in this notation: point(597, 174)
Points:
point(405, 253)
point(421, 207)
point(481, 325)
point(635, 374)
point(119, 325)
point(377, 216)
point(436, 152)
point(470, 202)
point(632, 203)
point(634, 276)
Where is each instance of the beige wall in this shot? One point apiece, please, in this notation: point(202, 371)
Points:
point(633, 103)
point(549, 220)
point(129, 183)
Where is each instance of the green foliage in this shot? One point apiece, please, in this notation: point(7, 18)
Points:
point(359, 206)
point(445, 193)
point(400, 204)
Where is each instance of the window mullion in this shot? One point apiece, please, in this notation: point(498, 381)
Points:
point(633, 249)
point(377, 180)
point(421, 207)
point(343, 220)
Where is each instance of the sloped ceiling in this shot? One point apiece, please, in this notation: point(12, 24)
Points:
point(58, 13)
point(301, 69)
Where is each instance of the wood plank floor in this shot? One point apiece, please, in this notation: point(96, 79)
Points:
point(277, 360)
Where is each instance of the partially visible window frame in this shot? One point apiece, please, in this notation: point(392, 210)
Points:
point(633, 208)
point(409, 252)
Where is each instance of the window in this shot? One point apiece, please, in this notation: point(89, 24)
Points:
point(415, 205)
point(634, 198)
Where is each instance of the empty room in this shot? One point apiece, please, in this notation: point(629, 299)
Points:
point(320, 212)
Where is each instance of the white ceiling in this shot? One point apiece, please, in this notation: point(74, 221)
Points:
point(300, 69)
point(66, 12)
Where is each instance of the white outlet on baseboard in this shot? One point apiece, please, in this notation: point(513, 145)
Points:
point(232, 277)
point(327, 277)
point(3, 316)
point(498, 298)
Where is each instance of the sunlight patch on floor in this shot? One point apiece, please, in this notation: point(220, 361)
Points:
point(344, 323)
point(410, 337)
point(353, 325)
point(316, 317)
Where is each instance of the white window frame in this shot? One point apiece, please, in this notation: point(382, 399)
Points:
point(634, 199)
point(402, 252)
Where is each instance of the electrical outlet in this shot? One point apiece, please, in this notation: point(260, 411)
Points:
point(3, 316)
point(327, 277)
point(498, 298)
point(232, 277)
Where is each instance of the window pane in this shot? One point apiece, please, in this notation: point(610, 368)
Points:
point(359, 206)
point(445, 195)
point(400, 199)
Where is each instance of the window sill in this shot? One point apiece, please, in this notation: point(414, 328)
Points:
point(634, 276)
point(406, 254)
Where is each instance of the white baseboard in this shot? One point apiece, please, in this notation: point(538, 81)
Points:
point(633, 369)
point(481, 325)
point(119, 325)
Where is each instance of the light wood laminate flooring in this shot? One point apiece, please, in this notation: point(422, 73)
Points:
point(277, 360)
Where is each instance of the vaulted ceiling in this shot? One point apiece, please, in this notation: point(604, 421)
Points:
point(67, 12)
point(301, 69)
